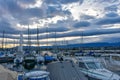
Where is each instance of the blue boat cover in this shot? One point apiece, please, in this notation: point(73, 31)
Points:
point(1, 53)
point(48, 58)
point(20, 77)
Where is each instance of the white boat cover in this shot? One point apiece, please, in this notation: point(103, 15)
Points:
point(36, 74)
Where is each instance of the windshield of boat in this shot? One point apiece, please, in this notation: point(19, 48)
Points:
point(82, 65)
point(94, 65)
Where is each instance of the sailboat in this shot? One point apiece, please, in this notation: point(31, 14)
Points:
point(5, 56)
point(19, 54)
point(34, 75)
point(47, 57)
point(39, 57)
point(29, 60)
point(111, 61)
point(81, 49)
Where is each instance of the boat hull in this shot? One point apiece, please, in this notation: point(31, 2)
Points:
point(6, 59)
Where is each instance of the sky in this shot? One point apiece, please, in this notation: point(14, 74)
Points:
point(60, 21)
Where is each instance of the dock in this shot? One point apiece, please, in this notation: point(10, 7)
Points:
point(65, 71)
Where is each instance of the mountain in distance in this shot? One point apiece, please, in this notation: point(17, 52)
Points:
point(81, 45)
point(96, 45)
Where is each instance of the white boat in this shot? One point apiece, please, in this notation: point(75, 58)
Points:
point(40, 59)
point(18, 60)
point(34, 75)
point(5, 58)
point(94, 70)
point(113, 59)
point(80, 53)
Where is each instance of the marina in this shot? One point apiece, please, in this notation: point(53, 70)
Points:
point(68, 68)
point(59, 40)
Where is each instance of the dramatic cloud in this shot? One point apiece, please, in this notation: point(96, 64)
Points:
point(62, 1)
point(60, 19)
point(74, 33)
point(47, 30)
point(81, 24)
point(87, 17)
point(27, 1)
point(6, 26)
point(112, 14)
point(106, 21)
point(111, 8)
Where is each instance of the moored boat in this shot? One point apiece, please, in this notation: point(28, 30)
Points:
point(29, 62)
point(34, 75)
point(94, 70)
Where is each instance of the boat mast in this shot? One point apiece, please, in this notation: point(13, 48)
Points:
point(28, 39)
point(55, 43)
point(20, 42)
point(3, 36)
point(38, 44)
point(14, 45)
point(82, 41)
point(47, 37)
point(6, 43)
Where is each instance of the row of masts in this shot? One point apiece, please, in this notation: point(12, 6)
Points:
point(38, 42)
point(4, 42)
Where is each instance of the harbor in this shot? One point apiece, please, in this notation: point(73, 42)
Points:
point(62, 67)
point(59, 40)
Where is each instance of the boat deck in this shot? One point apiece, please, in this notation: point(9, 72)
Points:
point(65, 71)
